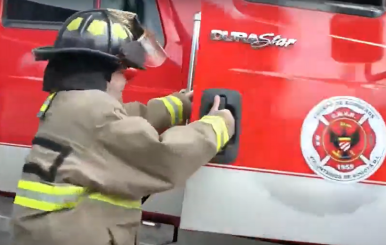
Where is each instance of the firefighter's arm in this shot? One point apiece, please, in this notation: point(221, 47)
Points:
point(162, 113)
point(154, 163)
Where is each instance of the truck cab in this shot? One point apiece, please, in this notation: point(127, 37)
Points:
point(305, 81)
point(303, 78)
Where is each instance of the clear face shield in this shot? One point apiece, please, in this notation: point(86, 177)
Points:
point(155, 55)
point(139, 47)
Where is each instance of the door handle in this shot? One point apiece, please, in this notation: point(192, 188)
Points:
point(231, 100)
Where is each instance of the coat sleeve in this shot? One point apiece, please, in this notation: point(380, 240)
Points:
point(150, 163)
point(162, 113)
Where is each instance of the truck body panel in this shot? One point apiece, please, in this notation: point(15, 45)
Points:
point(286, 183)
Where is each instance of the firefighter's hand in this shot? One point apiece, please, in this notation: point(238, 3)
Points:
point(188, 94)
point(225, 114)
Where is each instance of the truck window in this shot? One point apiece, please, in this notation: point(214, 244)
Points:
point(50, 14)
point(44, 10)
point(366, 8)
point(147, 11)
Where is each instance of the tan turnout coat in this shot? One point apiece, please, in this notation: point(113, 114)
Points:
point(117, 151)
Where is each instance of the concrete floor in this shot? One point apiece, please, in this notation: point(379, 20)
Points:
point(149, 235)
point(185, 238)
point(5, 212)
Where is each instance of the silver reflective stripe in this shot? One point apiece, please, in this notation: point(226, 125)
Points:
point(57, 199)
point(222, 134)
point(222, 138)
point(40, 114)
point(175, 108)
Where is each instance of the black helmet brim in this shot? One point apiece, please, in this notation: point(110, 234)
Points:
point(49, 52)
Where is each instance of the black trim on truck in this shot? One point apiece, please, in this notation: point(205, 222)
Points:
point(27, 14)
point(365, 8)
point(231, 100)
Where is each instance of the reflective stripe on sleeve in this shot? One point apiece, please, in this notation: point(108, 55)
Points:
point(116, 201)
point(219, 126)
point(45, 105)
point(175, 108)
point(48, 197)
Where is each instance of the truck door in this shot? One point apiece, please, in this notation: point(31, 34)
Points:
point(306, 164)
point(27, 24)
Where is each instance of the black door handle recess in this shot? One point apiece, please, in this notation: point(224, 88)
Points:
point(231, 100)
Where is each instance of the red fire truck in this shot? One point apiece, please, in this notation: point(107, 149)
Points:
point(304, 79)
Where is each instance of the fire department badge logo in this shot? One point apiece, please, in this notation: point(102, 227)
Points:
point(343, 139)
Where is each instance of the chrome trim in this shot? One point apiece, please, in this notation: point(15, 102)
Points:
point(193, 52)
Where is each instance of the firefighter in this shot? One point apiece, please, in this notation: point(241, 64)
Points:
point(94, 158)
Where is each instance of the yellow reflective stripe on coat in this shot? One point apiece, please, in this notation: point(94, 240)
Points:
point(46, 105)
point(47, 197)
point(175, 108)
point(116, 201)
point(220, 128)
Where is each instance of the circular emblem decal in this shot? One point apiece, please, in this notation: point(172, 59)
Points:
point(343, 139)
